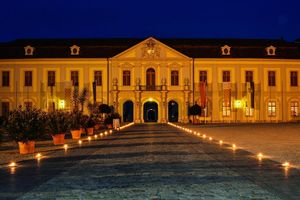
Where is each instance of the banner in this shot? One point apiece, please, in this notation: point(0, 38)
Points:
point(227, 94)
point(203, 94)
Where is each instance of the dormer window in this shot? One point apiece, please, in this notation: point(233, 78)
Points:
point(29, 50)
point(225, 50)
point(271, 51)
point(75, 50)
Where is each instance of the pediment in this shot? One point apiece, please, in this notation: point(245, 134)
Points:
point(150, 49)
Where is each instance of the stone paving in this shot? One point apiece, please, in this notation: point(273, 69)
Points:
point(150, 161)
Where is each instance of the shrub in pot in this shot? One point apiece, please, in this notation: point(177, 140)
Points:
point(89, 125)
point(83, 121)
point(108, 121)
point(75, 124)
point(58, 125)
point(25, 126)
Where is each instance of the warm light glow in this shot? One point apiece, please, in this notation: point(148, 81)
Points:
point(150, 99)
point(61, 104)
point(79, 142)
point(95, 136)
point(198, 134)
point(204, 136)
point(65, 146)
point(110, 131)
point(101, 134)
point(220, 142)
point(238, 104)
point(286, 164)
point(38, 155)
point(233, 146)
point(89, 138)
point(12, 164)
point(210, 138)
point(105, 133)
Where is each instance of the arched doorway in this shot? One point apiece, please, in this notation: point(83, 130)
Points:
point(150, 78)
point(128, 111)
point(173, 111)
point(150, 112)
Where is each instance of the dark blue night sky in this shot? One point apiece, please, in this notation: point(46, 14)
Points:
point(143, 18)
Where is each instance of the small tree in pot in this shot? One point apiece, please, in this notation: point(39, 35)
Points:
point(75, 124)
point(89, 125)
point(58, 125)
point(25, 127)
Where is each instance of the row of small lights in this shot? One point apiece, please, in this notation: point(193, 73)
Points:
point(38, 156)
point(260, 156)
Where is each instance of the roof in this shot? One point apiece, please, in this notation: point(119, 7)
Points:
point(109, 47)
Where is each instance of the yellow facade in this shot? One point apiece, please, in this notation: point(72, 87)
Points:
point(163, 61)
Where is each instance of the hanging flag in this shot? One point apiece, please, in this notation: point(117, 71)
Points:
point(203, 94)
point(227, 94)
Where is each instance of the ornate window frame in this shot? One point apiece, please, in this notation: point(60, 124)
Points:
point(75, 50)
point(225, 50)
point(29, 50)
point(271, 50)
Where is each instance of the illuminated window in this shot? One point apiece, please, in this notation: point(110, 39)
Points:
point(294, 108)
point(5, 79)
point(249, 76)
point(75, 78)
point(174, 77)
point(203, 76)
point(5, 109)
point(271, 78)
point(126, 78)
point(226, 76)
point(98, 78)
point(51, 78)
point(294, 78)
point(28, 79)
point(249, 111)
point(226, 109)
point(272, 108)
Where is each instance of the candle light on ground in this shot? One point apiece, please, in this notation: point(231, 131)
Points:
point(12, 164)
point(65, 146)
point(38, 155)
point(221, 142)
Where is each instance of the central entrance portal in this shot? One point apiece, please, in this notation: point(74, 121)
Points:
point(150, 112)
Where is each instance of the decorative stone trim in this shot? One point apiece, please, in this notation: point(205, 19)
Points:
point(271, 51)
point(75, 50)
point(225, 50)
point(29, 50)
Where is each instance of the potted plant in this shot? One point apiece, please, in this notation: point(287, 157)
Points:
point(25, 127)
point(75, 122)
point(109, 119)
point(58, 125)
point(89, 125)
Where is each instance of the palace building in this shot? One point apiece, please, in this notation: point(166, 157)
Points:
point(156, 80)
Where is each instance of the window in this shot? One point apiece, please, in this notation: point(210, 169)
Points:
point(294, 108)
point(226, 76)
point(249, 76)
point(249, 111)
point(294, 78)
point(271, 108)
point(225, 50)
point(226, 109)
point(271, 78)
point(203, 76)
point(28, 104)
point(174, 77)
point(5, 79)
point(150, 78)
point(51, 78)
point(98, 78)
point(126, 78)
point(28, 78)
point(5, 109)
point(271, 51)
point(75, 78)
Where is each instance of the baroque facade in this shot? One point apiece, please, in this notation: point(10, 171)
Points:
point(151, 80)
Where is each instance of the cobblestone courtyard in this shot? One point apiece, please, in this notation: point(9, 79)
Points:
point(150, 161)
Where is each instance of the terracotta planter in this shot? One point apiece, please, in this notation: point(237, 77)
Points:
point(26, 147)
point(76, 134)
point(58, 139)
point(97, 126)
point(82, 130)
point(109, 125)
point(90, 131)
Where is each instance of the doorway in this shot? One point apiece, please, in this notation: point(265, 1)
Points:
point(150, 112)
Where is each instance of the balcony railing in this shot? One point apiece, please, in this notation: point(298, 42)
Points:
point(150, 87)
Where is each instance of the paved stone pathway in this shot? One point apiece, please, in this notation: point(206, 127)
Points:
point(150, 161)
